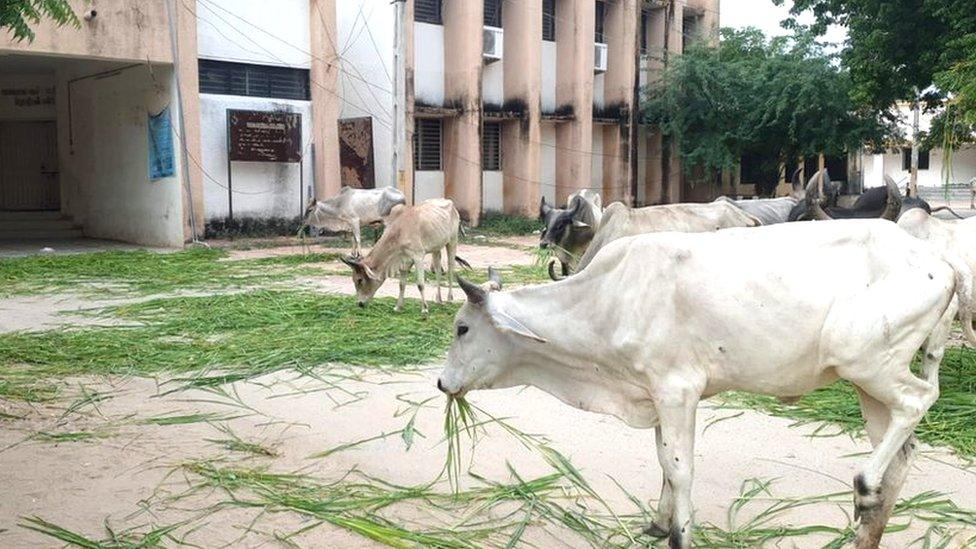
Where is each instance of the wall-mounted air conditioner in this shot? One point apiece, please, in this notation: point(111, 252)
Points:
point(494, 39)
point(600, 58)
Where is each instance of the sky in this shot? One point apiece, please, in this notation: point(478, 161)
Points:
point(767, 16)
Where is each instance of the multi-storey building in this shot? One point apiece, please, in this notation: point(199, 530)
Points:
point(123, 128)
point(514, 100)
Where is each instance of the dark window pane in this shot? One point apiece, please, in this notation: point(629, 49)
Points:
point(428, 11)
point(222, 78)
point(427, 145)
point(549, 20)
point(491, 147)
point(493, 13)
point(601, 10)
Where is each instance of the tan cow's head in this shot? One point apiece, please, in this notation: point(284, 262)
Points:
point(486, 341)
point(366, 281)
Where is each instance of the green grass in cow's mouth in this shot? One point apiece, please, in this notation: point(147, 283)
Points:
point(146, 273)
point(835, 409)
point(212, 340)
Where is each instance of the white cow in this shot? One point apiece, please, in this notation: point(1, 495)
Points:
point(620, 221)
point(352, 209)
point(660, 321)
point(952, 237)
point(411, 233)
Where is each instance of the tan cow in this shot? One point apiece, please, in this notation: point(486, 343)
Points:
point(411, 233)
point(620, 221)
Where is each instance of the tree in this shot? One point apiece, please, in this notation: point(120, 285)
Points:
point(781, 98)
point(20, 15)
point(898, 48)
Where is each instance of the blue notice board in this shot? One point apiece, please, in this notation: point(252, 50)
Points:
point(162, 156)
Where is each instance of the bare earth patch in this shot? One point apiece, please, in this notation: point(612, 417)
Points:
point(127, 479)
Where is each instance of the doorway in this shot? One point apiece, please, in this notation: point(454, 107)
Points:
point(29, 174)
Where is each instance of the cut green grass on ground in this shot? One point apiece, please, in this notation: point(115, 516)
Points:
point(209, 341)
point(950, 421)
point(146, 273)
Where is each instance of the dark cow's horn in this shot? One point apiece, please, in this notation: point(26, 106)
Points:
point(544, 209)
point(552, 270)
point(893, 205)
point(353, 261)
point(476, 295)
point(795, 180)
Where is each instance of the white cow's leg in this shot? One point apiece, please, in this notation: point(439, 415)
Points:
point(403, 288)
point(877, 416)
point(419, 265)
point(677, 415)
point(357, 242)
point(435, 266)
point(906, 398)
point(661, 527)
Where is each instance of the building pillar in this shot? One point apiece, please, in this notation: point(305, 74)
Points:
point(653, 176)
point(675, 170)
point(189, 83)
point(326, 104)
point(405, 178)
point(575, 29)
point(463, 28)
point(521, 139)
point(619, 94)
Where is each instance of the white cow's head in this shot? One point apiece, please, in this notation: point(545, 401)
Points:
point(487, 344)
point(367, 281)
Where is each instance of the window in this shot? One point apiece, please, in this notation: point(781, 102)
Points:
point(427, 145)
point(906, 159)
point(493, 13)
point(549, 20)
point(428, 11)
point(645, 20)
point(223, 78)
point(601, 10)
point(689, 31)
point(491, 147)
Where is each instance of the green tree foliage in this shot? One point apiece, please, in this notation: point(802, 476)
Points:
point(781, 98)
point(20, 15)
point(897, 47)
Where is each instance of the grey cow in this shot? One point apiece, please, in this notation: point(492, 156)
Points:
point(569, 230)
point(770, 211)
point(351, 209)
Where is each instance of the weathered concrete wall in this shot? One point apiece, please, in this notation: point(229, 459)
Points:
point(122, 30)
point(326, 102)
point(106, 171)
point(228, 31)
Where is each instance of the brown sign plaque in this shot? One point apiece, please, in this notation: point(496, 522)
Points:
point(259, 136)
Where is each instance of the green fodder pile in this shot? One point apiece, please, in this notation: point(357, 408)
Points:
point(950, 422)
point(146, 273)
point(212, 340)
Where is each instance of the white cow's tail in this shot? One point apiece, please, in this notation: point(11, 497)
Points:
point(964, 294)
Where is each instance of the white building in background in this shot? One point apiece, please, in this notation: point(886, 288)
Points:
point(933, 169)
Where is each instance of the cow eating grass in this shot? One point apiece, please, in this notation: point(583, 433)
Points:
point(412, 232)
point(682, 317)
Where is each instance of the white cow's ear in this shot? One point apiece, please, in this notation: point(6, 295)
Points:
point(506, 323)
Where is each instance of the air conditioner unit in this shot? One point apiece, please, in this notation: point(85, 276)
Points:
point(600, 58)
point(494, 40)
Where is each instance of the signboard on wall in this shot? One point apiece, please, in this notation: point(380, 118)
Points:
point(356, 153)
point(264, 136)
point(27, 97)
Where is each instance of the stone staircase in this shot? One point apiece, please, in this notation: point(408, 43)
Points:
point(18, 226)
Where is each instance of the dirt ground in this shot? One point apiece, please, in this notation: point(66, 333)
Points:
point(126, 478)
